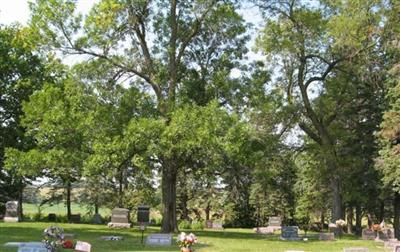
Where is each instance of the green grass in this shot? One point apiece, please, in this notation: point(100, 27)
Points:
point(60, 209)
point(231, 240)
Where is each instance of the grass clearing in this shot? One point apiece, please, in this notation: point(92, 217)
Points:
point(230, 240)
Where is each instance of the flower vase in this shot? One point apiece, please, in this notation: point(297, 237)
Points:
point(186, 249)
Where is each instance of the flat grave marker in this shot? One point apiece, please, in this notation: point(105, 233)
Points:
point(83, 246)
point(112, 238)
point(159, 239)
point(75, 218)
point(356, 249)
point(32, 247)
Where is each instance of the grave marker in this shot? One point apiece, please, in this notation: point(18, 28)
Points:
point(12, 212)
point(32, 247)
point(143, 215)
point(119, 218)
point(356, 249)
point(159, 240)
point(368, 234)
point(83, 246)
point(52, 217)
point(396, 248)
point(75, 218)
point(326, 236)
point(290, 233)
point(97, 219)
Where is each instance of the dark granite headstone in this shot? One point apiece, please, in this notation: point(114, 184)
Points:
point(75, 218)
point(52, 217)
point(290, 233)
point(143, 215)
point(97, 219)
point(12, 212)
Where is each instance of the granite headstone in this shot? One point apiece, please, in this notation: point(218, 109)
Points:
point(326, 236)
point(159, 239)
point(12, 212)
point(83, 246)
point(120, 218)
point(290, 233)
point(368, 234)
point(32, 247)
point(356, 249)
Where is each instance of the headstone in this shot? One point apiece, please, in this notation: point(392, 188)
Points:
point(12, 212)
point(75, 218)
point(143, 215)
point(264, 230)
point(275, 221)
point(290, 233)
point(119, 218)
point(52, 217)
point(32, 247)
point(391, 243)
point(97, 219)
point(368, 234)
point(83, 246)
point(68, 236)
point(112, 238)
point(326, 236)
point(217, 225)
point(209, 224)
point(356, 249)
point(159, 239)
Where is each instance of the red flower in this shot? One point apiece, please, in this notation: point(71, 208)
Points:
point(68, 244)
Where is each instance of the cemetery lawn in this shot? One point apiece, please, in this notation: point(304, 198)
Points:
point(230, 240)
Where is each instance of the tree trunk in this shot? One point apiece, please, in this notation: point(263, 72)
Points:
point(168, 186)
point(20, 199)
point(96, 208)
point(120, 189)
point(336, 199)
point(68, 201)
point(396, 221)
point(358, 219)
point(207, 211)
point(350, 220)
point(322, 220)
point(382, 211)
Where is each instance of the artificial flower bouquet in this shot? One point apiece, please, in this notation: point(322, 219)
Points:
point(186, 241)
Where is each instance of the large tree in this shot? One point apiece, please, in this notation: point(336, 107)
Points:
point(22, 72)
point(311, 44)
point(156, 42)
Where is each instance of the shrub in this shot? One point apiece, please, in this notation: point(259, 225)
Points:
point(184, 224)
point(198, 225)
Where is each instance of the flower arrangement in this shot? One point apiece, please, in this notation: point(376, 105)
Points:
point(53, 238)
point(186, 241)
point(340, 223)
point(68, 244)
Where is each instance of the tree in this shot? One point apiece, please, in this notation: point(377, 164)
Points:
point(155, 42)
point(22, 72)
point(310, 45)
point(57, 119)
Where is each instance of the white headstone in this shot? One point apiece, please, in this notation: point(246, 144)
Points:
point(83, 246)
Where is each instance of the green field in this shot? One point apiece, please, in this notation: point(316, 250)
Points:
point(60, 209)
point(230, 240)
